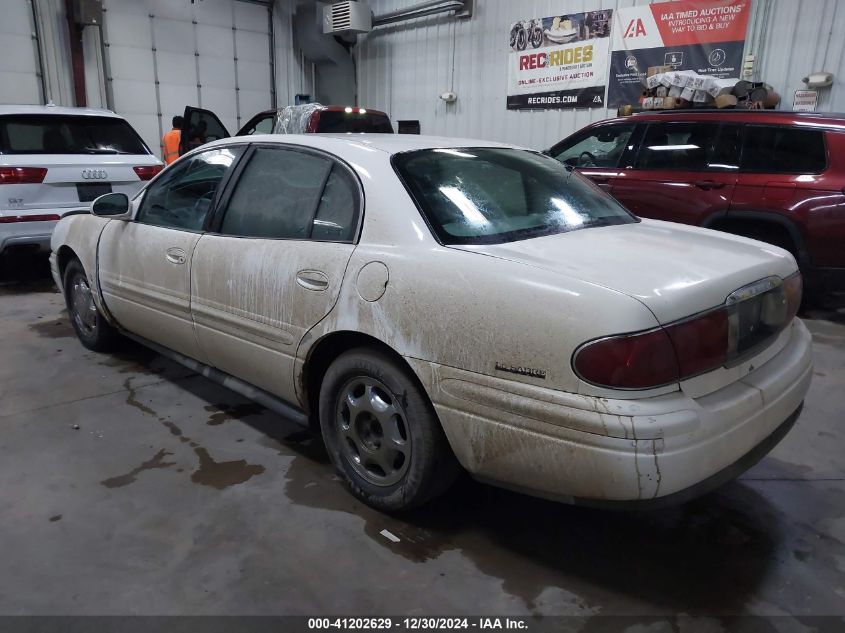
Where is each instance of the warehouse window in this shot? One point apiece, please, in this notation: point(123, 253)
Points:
point(783, 150)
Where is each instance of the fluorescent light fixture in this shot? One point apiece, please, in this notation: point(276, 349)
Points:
point(663, 148)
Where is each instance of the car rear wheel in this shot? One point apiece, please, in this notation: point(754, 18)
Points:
point(382, 433)
point(90, 327)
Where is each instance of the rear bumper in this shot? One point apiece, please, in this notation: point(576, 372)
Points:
point(35, 234)
point(586, 450)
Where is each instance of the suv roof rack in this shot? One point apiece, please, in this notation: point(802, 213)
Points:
point(820, 115)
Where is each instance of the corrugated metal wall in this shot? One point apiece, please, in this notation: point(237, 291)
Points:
point(403, 68)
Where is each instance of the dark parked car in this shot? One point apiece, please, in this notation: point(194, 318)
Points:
point(778, 177)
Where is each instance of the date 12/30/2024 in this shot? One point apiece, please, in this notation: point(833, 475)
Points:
point(418, 623)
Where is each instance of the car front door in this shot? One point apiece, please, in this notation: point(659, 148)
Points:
point(199, 127)
point(272, 265)
point(683, 172)
point(597, 152)
point(145, 264)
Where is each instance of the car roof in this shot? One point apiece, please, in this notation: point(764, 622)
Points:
point(54, 109)
point(782, 117)
point(388, 143)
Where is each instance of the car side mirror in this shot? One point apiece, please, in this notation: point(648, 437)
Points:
point(111, 205)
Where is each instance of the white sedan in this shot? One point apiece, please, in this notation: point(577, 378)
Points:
point(435, 304)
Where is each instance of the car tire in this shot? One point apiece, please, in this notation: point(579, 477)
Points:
point(90, 326)
point(382, 432)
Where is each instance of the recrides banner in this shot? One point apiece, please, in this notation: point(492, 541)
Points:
point(707, 36)
point(559, 62)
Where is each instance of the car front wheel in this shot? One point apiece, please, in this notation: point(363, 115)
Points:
point(382, 433)
point(89, 324)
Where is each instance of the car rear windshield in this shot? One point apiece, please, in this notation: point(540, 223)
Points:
point(59, 134)
point(491, 195)
point(340, 122)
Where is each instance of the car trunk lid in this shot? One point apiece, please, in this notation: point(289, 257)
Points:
point(675, 270)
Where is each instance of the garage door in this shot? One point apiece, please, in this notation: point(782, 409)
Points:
point(19, 68)
point(164, 55)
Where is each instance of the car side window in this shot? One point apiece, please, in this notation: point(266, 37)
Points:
point(182, 196)
point(783, 150)
point(601, 147)
point(337, 215)
point(278, 194)
point(677, 146)
point(264, 125)
point(724, 155)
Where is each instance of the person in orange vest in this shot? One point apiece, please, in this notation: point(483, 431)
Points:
point(170, 142)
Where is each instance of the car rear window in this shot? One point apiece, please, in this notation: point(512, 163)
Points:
point(340, 122)
point(783, 150)
point(59, 134)
point(493, 195)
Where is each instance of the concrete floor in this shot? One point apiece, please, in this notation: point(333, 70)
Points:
point(129, 485)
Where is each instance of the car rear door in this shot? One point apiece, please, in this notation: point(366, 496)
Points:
point(144, 264)
point(199, 127)
point(597, 152)
point(271, 267)
point(683, 171)
point(789, 176)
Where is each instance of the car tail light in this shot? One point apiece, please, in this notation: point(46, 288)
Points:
point(634, 361)
point(22, 175)
point(700, 343)
point(751, 318)
point(10, 219)
point(148, 172)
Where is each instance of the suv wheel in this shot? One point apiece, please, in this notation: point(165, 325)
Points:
point(89, 324)
point(382, 433)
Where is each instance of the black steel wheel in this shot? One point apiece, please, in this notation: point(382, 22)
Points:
point(382, 433)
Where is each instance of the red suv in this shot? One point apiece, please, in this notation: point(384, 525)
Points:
point(774, 176)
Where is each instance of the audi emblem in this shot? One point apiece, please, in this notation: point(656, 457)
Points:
point(95, 174)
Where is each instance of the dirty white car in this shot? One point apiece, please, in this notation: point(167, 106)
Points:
point(432, 304)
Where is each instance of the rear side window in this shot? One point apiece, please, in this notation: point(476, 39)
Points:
point(289, 194)
point(677, 146)
point(340, 122)
point(783, 150)
point(59, 134)
point(337, 215)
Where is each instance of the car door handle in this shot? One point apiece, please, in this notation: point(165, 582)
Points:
point(176, 256)
point(708, 184)
point(312, 280)
point(599, 180)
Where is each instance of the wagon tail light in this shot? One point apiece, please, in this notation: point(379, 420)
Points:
point(147, 172)
point(22, 175)
point(749, 320)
